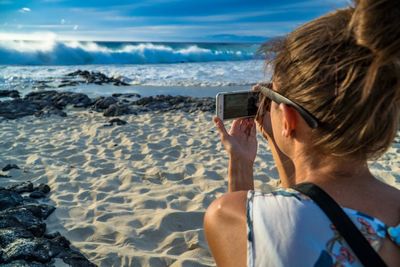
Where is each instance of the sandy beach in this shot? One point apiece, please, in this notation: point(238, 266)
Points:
point(134, 195)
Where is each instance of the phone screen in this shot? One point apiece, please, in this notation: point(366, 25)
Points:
point(238, 105)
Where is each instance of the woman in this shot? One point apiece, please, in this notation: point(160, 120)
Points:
point(342, 71)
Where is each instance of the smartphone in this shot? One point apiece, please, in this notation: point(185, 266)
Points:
point(234, 105)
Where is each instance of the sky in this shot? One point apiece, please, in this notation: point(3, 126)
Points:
point(157, 20)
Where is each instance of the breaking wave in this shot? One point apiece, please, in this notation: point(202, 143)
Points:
point(84, 53)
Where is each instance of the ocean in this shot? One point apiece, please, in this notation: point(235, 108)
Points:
point(196, 69)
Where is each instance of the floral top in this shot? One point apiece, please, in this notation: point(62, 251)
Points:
point(287, 228)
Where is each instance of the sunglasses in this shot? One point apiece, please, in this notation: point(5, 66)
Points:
point(271, 95)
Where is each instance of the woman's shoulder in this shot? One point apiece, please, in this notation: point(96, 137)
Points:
point(225, 229)
point(227, 207)
point(226, 222)
point(231, 209)
point(234, 205)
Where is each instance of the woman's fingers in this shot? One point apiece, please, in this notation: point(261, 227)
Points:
point(240, 127)
point(236, 124)
point(240, 141)
point(249, 127)
point(236, 127)
point(220, 127)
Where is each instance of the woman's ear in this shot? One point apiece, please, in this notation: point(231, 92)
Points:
point(289, 119)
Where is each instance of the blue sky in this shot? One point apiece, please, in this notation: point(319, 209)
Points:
point(157, 20)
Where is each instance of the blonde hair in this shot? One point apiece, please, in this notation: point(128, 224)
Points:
point(344, 68)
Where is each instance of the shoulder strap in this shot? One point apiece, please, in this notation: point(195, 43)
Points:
point(354, 238)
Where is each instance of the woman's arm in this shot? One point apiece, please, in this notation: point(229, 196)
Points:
point(240, 175)
point(225, 219)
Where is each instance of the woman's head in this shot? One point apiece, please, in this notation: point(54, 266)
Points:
point(344, 68)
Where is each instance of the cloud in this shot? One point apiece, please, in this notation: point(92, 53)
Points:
point(25, 10)
point(96, 12)
point(76, 27)
point(31, 36)
point(63, 21)
point(230, 17)
point(36, 27)
point(44, 26)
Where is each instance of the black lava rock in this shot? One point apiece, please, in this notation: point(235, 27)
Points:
point(41, 211)
point(8, 235)
point(37, 194)
point(42, 103)
point(9, 199)
point(18, 108)
point(133, 95)
point(118, 110)
point(96, 78)
point(43, 188)
point(59, 99)
point(23, 218)
point(75, 258)
point(116, 121)
point(28, 249)
point(23, 241)
point(68, 83)
point(47, 103)
point(21, 187)
point(50, 111)
point(9, 93)
point(9, 167)
point(23, 263)
point(103, 103)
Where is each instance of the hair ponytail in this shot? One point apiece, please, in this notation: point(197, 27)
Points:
point(375, 24)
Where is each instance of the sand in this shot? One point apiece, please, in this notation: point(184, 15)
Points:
point(134, 195)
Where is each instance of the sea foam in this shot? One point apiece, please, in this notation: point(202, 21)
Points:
point(199, 74)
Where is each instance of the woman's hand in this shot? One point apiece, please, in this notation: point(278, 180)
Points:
point(240, 142)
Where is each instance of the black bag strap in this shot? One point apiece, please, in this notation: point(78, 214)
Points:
point(354, 238)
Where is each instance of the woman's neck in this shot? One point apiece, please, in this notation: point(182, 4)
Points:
point(330, 170)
